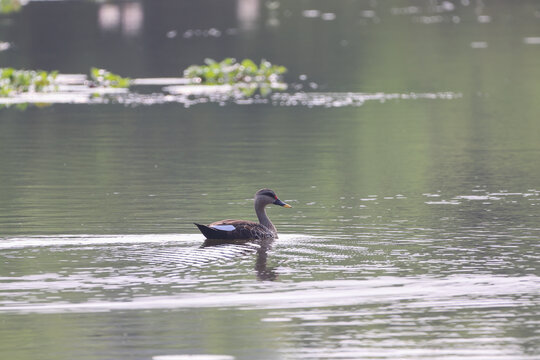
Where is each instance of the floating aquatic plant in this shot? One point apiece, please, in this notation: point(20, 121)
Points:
point(21, 87)
point(229, 71)
point(246, 75)
point(19, 81)
point(227, 80)
point(13, 81)
point(104, 78)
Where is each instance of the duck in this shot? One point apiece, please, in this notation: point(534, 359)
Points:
point(243, 229)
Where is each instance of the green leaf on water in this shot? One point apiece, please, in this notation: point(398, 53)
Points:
point(249, 66)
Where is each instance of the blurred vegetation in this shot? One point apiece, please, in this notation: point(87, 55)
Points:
point(246, 75)
point(10, 6)
point(18, 81)
point(13, 81)
point(104, 78)
point(229, 71)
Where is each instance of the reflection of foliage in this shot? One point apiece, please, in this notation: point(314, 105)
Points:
point(10, 6)
point(104, 78)
point(246, 74)
point(18, 81)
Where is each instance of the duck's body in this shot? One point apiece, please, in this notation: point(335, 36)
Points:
point(243, 229)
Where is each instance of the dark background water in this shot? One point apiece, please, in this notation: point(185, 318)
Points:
point(414, 228)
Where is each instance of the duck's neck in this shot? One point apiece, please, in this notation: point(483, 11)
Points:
point(263, 218)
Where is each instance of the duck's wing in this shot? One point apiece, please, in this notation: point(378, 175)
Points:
point(211, 233)
point(234, 229)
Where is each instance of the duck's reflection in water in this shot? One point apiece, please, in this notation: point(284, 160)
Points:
point(264, 273)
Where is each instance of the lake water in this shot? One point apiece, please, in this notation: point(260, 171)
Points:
point(407, 144)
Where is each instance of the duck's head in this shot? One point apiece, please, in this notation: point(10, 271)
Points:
point(267, 197)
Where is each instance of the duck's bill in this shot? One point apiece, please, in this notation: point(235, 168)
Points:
point(281, 203)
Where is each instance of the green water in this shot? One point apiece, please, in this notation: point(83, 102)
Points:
point(414, 228)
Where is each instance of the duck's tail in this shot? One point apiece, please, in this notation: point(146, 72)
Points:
point(211, 233)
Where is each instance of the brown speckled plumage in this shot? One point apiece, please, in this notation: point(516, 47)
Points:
point(247, 230)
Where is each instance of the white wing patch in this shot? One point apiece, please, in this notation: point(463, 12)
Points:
point(223, 227)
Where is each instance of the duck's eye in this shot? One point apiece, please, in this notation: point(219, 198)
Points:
point(269, 194)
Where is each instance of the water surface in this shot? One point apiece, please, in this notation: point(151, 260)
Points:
point(414, 228)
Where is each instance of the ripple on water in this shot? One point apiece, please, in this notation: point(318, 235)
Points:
point(99, 240)
point(193, 357)
point(439, 295)
point(219, 94)
point(502, 196)
point(367, 290)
